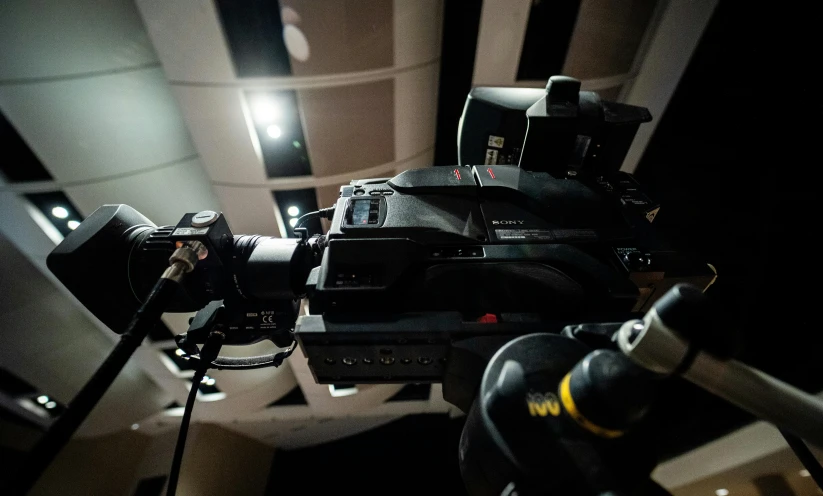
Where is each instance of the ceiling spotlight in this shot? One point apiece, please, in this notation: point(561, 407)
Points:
point(42, 399)
point(804, 473)
point(204, 379)
point(60, 212)
point(266, 111)
point(296, 42)
point(293, 221)
point(134, 427)
point(338, 392)
point(274, 131)
point(722, 492)
point(210, 382)
point(50, 405)
point(72, 224)
point(293, 211)
point(179, 352)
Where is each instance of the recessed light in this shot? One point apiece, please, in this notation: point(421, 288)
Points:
point(50, 405)
point(296, 43)
point(722, 492)
point(804, 473)
point(274, 131)
point(266, 111)
point(293, 221)
point(179, 352)
point(134, 427)
point(60, 212)
point(42, 399)
point(205, 379)
point(293, 211)
point(341, 392)
point(73, 224)
point(210, 382)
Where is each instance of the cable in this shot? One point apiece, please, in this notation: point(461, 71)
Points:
point(324, 213)
point(144, 319)
point(805, 456)
point(252, 362)
point(209, 352)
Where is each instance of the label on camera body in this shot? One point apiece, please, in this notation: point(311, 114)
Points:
point(556, 235)
point(190, 231)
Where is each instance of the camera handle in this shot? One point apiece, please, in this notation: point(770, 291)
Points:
point(181, 263)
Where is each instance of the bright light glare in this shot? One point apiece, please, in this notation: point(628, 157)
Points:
point(804, 473)
point(274, 131)
point(266, 111)
point(205, 379)
point(339, 393)
point(43, 399)
point(134, 427)
point(179, 352)
point(51, 405)
point(60, 212)
point(293, 222)
point(293, 211)
point(722, 492)
point(73, 224)
point(210, 382)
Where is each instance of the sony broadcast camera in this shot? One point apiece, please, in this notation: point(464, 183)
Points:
point(429, 275)
point(415, 263)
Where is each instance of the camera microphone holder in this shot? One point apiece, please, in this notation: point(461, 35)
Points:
point(661, 343)
point(228, 317)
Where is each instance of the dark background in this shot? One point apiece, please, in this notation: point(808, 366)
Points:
point(734, 164)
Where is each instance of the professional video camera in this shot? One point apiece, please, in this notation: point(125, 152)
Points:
point(497, 277)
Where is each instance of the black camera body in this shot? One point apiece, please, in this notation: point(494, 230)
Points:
point(415, 263)
point(421, 277)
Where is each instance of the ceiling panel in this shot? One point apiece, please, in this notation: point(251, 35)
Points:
point(188, 39)
point(417, 31)
point(89, 128)
point(221, 128)
point(415, 124)
point(51, 38)
point(341, 36)
point(349, 127)
point(163, 195)
point(249, 210)
point(502, 30)
point(606, 37)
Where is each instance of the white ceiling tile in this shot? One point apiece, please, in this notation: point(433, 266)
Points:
point(499, 41)
point(349, 128)
point(415, 110)
point(417, 31)
point(189, 39)
point(58, 38)
point(90, 128)
point(248, 210)
point(221, 131)
point(162, 195)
